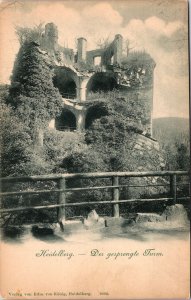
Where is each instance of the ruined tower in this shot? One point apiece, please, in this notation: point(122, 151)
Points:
point(50, 39)
point(81, 49)
point(78, 76)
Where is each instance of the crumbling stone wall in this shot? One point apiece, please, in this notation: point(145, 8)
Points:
point(113, 50)
point(82, 49)
point(50, 37)
point(146, 155)
point(149, 153)
point(94, 53)
point(133, 74)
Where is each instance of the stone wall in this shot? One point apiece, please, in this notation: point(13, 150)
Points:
point(82, 49)
point(133, 74)
point(146, 155)
point(145, 95)
point(92, 54)
point(113, 50)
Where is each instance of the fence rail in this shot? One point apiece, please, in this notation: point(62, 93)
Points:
point(69, 95)
point(66, 128)
point(62, 189)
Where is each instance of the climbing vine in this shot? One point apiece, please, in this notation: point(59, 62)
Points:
point(32, 93)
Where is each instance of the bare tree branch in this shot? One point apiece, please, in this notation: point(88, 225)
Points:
point(30, 34)
point(9, 4)
point(103, 43)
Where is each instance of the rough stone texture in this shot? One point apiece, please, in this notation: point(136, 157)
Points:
point(42, 229)
point(70, 226)
point(112, 221)
point(49, 41)
point(92, 54)
point(134, 75)
point(149, 149)
point(94, 221)
point(113, 50)
point(148, 217)
point(175, 213)
point(82, 45)
point(65, 227)
point(145, 155)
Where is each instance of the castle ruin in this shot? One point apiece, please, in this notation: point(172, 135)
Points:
point(80, 73)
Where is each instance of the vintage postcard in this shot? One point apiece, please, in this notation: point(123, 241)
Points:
point(95, 149)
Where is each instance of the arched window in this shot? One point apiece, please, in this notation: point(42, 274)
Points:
point(93, 113)
point(64, 81)
point(101, 82)
point(97, 60)
point(66, 121)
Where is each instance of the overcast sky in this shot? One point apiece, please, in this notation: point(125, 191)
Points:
point(157, 26)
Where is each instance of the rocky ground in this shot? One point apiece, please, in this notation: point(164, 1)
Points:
point(173, 222)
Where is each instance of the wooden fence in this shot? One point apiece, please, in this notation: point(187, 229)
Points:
point(69, 96)
point(62, 189)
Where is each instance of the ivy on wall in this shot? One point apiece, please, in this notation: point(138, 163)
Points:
point(32, 93)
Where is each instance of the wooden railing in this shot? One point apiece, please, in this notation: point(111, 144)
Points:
point(65, 128)
point(71, 96)
point(62, 189)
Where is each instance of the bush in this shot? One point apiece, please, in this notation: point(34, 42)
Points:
point(32, 93)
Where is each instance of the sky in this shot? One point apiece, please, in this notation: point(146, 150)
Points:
point(157, 26)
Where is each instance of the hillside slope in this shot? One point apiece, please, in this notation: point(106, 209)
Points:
point(167, 130)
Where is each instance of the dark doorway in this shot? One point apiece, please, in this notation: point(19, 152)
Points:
point(101, 82)
point(64, 81)
point(66, 121)
point(93, 113)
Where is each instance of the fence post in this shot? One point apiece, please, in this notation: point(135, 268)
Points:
point(62, 200)
point(115, 181)
point(173, 188)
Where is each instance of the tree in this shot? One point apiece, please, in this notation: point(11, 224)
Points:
point(182, 157)
point(10, 3)
point(111, 141)
point(103, 43)
point(26, 34)
point(128, 47)
point(110, 136)
point(32, 93)
point(18, 156)
point(14, 138)
point(121, 117)
point(175, 142)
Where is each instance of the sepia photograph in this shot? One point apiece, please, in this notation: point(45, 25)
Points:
point(95, 149)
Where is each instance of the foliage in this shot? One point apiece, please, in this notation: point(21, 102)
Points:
point(59, 145)
point(109, 136)
point(84, 161)
point(18, 155)
point(182, 157)
point(137, 59)
point(26, 34)
point(15, 139)
point(122, 116)
point(128, 106)
point(33, 101)
point(83, 66)
point(177, 155)
point(173, 137)
point(128, 46)
point(4, 91)
point(32, 93)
